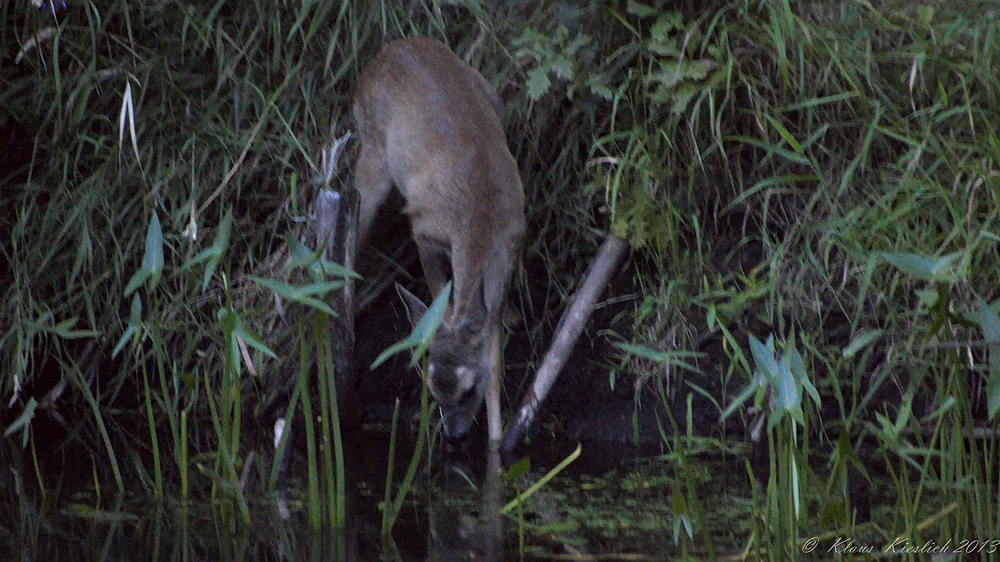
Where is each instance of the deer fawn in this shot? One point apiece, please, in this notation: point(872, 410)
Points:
point(430, 125)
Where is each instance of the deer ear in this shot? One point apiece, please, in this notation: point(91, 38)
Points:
point(415, 308)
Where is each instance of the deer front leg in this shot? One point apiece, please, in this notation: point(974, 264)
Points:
point(434, 260)
point(372, 180)
point(495, 365)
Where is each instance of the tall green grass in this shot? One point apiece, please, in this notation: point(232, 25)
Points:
point(823, 172)
point(826, 170)
point(145, 233)
point(167, 143)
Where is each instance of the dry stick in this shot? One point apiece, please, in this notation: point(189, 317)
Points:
point(568, 331)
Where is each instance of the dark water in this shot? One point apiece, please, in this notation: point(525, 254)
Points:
point(614, 501)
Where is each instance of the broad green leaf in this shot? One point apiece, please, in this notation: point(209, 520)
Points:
point(763, 356)
point(743, 396)
point(798, 367)
point(947, 268)
point(641, 10)
point(213, 253)
point(538, 83)
point(309, 295)
point(240, 330)
point(305, 258)
point(134, 322)
point(152, 259)
point(786, 393)
point(991, 332)
point(667, 357)
point(860, 341)
point(518, 469)
point(420, 337)
point(23, 421)
point(65, 330)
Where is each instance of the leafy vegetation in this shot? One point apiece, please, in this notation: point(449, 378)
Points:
point(819, 176)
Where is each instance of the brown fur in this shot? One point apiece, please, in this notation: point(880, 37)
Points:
point(430, 125)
